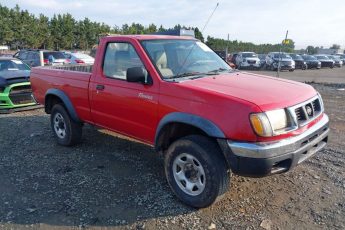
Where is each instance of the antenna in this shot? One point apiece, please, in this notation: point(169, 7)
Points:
point(209, 18)
point(190, 51)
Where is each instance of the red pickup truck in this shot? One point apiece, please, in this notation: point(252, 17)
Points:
point(176, 94)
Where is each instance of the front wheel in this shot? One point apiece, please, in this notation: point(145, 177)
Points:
point(196, 170)
point(66, 131)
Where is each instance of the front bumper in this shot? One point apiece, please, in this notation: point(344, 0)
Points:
point(283, 66)
point(250, 65)
point(11, 98)
point(262, 159)
point(300, 65)
point(312, 65)
point(338, 64)
point(327, 64)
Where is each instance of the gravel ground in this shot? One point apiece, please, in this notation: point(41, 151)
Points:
point(324, 75)
point(110, 182)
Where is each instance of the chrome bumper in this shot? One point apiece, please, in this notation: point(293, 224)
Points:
point(307, 143)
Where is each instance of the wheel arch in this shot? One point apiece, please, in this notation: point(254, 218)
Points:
point(54, 96)
point(169, 128)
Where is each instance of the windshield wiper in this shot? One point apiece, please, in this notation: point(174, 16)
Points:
point(187, 74)
point(216, 71)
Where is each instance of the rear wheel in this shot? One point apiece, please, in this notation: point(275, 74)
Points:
point(66, 131)
point(196, 170)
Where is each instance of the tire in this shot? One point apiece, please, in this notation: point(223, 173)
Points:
point(291, 70)
point(66, 131)
point(196, 161)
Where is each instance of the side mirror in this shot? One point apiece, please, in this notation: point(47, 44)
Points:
point(138, 74)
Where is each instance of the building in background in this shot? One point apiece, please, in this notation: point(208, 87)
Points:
point(330, 51)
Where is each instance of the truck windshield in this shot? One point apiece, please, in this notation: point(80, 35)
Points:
point(182, 58)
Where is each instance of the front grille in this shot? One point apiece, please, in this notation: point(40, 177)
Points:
point(251, 62)
point(285, 63)
point(308, 111)
point(21, 95)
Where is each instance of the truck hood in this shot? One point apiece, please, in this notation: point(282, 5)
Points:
point(266, 92)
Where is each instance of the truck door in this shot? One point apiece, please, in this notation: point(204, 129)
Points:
point(129, 108)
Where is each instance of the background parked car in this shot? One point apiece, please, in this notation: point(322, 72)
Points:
point(262, 58)
point(15, 89)
point(6, 55)
point(233, 59)
point(325, 61)
point(286, 62)
point(337, 61)
point(32, 57)
point(247, 60)
point(299, 61)
point(312, 62)
point(342, 57)
point(79, 58)
point(222, 55)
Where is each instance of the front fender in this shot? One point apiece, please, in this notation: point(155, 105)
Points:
point(205, 125)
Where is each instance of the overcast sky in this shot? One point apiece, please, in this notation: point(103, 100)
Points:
point(310, 22)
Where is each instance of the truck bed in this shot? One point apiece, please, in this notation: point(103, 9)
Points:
point(72, 80)
point(77, 68)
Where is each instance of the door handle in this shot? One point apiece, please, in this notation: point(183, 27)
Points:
point(100, 87)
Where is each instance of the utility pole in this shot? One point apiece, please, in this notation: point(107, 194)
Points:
point(280, 53)
point(227, 50)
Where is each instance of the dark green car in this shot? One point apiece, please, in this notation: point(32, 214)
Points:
point(15, 89)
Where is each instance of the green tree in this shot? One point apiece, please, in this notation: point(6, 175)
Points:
point(67, 31)
point(6, 33)
point(311, 50)
point(335, 46)
point(151, 29)
point(42, 33)
point(198, 34)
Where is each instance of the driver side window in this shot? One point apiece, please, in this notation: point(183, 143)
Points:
point(120, 56)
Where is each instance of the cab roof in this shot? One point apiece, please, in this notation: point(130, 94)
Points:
point(153, 37)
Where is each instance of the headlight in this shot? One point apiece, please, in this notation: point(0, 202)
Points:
point(270, 123)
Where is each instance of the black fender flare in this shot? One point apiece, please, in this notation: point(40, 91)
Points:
point(67, 102)
point(205, 125)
